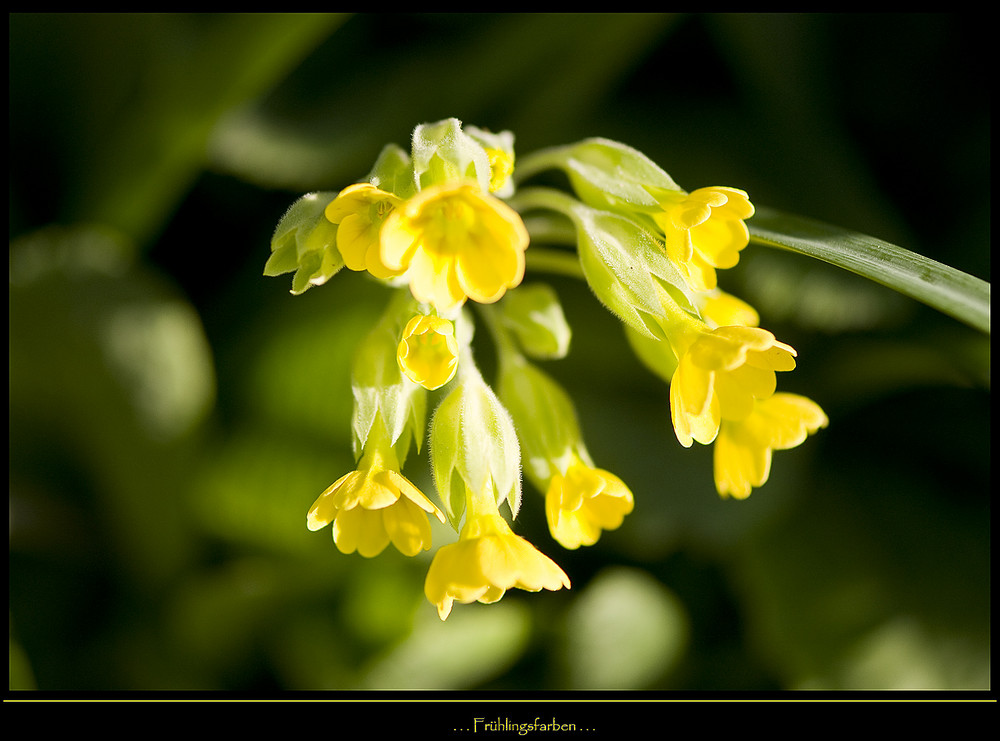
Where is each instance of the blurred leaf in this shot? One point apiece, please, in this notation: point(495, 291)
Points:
point(849, 594)
point(111, 362)
point(951, 291)
point(625, 631)
point(21, 677)
point(494, 70)
point(254, 488)
point(904, 654)
point(476, 644)
point(165, 79)
point(817, 296)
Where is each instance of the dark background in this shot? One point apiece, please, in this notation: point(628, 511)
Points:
point(173, 413)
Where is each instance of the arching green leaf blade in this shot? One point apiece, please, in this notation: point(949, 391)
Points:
point(950, 291)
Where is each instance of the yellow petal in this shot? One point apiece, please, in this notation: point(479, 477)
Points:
point(786, 420)
point(740, 464)
point(360, 530)
point(694, 406)
point(324, 509)
point(488, 560)
point(407, 527)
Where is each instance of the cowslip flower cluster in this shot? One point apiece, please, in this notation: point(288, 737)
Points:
point(440, 226)
point(651, 251)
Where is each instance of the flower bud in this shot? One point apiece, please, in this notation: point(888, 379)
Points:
point(535, 317)
point(428, 351)
point(380, 389)
point(474, 446)
point(305, 242)
point(442, 152)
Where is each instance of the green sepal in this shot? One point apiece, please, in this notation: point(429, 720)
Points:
point(625, 266)
point(657, 355)
point(474, 446)
point(393, 172)
point(305, 242)
point(535, 317)
point(544, 416)
point(606, 173)
point(380, 388)
point(441, 152)
point(444, 441)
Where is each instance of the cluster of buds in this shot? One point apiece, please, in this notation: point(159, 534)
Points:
point(441, 225)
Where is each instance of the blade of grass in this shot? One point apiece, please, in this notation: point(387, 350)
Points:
point(950, 291)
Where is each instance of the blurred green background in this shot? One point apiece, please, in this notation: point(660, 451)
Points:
point(173, 413)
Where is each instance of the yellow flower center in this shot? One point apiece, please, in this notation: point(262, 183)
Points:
point(457, 243)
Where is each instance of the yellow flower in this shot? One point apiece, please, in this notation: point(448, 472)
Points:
point(428, 351)
point(501, 168)
point(375, 505)
point(584, 501)
point(742, 456)
point(704, 230)
point(360, 211)
point(457, 243)
point(720, 375)
point(487, 560)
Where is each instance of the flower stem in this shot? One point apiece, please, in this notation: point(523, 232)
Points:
point(536, 162)
point(557, 262)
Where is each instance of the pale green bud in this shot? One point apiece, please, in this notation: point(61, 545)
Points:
point(544, 417)
point(626, 268)
point(393, 172)
point(534, 316)
point(474, 446)
point(608, 174)
point(442, 152)
point(380, 389)
point(305, 242)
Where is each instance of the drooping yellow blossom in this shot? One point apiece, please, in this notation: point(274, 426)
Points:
point(428, 351)
point(743, 449)
point(360, 211)
point(584, 501)
point(486, 561)
point(704, 230)
point(457, 242)
point(720, 375)
point(375, 505)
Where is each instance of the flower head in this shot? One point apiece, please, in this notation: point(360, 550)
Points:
point(428, 351)
point(457, 242)
point(720, 376)
point(582, 502)
point(704, 230)
point(487, 560)
point(743, 449)
point(360, 210)
point(375, 505)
